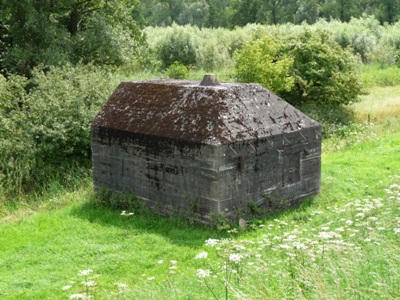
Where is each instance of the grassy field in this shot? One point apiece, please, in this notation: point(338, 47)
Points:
point(341, 244)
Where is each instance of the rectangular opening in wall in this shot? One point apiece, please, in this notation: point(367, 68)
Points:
point(291, 169)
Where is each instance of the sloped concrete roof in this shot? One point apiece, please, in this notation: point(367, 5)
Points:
point(184, 110)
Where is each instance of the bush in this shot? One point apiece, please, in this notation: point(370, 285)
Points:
point(177, 46)
point(308, 68)
point(213, 53)
point(45, 122)
point(323, 72)
point(264, 61)
point(178, 71)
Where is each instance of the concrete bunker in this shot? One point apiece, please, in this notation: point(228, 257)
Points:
point(205, 149)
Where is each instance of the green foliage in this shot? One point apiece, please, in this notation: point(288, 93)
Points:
point(307, 68)
point(213, 51)
point(103, 44)
point(375, 75)
point(121, 201)
point(177, 46)
point(264, 61)
point(177, 71)
point(323, 72)
point(45, 121)
point(58, 32)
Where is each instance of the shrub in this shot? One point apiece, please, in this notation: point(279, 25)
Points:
point(213, 53)
point(263, 61)
point(45, 122)
point(177, 46)
point(16, 144)
point(308, 68)
point(323, 72)
point(177, 71)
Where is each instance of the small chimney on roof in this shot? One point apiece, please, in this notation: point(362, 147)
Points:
point(209, 80)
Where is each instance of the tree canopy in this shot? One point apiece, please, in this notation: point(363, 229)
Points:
point(231, 13)
point(55, 32)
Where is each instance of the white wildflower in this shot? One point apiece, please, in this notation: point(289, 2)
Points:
point(160, 262)
point(88, 283)
point(150, 278)
point(174, 262)
point(203, 273)
point(85, 272)
point(123, 213)
point(328, 235)
point(211, 242)
point(201, 255)
point(396, 230)
point(239, 247)
point(300, 246)
point(284, 246)
point(291, 238)
point(235, 257)
point(122, 285)
point(67, 287)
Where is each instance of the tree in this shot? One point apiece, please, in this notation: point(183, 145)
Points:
point(277, 11)
point(46, 32)
point(308, 11)
point(219, 13)
point(308, 68)
point(263, 61)
point(245, 11)
point(338, 9)
point(389, 11)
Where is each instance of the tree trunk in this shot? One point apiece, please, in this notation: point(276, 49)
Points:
point(74, 21)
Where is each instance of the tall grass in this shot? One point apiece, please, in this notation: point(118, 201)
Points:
point(375, 75)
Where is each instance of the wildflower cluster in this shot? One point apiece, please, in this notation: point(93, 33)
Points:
point(86, 287)
point(289, 252)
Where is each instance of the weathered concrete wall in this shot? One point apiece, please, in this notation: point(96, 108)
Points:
point(272, 173)
point(169, 176)
point(173, 176)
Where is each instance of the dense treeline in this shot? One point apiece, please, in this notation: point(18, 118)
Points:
point(231, 13)
point(59, 32)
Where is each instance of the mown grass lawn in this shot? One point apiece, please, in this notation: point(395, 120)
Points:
point(341, 244)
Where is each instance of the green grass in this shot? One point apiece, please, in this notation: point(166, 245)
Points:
point(381, 106)
point(341, 244)
point(376, 75)
point(43, 252)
